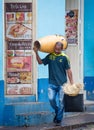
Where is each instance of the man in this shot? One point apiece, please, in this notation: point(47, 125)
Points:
point(59, 68)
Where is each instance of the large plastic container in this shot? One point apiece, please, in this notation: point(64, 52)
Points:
point(47, 43)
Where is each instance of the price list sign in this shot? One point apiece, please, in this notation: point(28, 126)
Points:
point(18, 39)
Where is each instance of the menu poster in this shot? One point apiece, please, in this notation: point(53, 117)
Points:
point(19, 78)
point(18, 31)
point(18, 53)
point(18, 12)
point(72, 26)
point(19, 45)
point(19, 89)
point(18, 20)
point(16, 64)
point(18, 7)
point(18, 37)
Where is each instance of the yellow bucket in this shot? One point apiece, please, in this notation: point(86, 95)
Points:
point(47, 43)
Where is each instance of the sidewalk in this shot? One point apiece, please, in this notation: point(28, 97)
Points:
point(69, 123)
point(72, 121)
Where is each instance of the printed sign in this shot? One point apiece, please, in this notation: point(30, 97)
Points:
point(19, 89)
point(72, 26)
point(18, 40)
point(16, 64)
point(19, 78)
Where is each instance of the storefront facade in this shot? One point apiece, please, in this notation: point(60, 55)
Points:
point(19, 63)
point(22, 23)
point(21, 78)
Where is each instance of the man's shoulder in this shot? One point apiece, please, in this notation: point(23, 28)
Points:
point(65, 55)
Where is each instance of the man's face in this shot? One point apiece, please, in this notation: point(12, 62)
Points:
point(57, 49)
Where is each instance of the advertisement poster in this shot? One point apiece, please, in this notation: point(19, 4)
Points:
point(22, 89)
point(18, 20)
point(71, 30)
point(19, 78)
point(18, 39)
point(19, 45)
point(16, 64)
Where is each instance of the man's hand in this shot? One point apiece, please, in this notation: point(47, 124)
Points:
point(37, 56)
point(35, 49)
point(69, 72)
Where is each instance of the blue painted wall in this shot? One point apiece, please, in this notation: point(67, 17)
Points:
point(1, 101)
point(50, 20)
point(89, 48)
point(50, 17)
point(88, 38)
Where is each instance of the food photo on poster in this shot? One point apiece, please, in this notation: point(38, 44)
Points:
point(18, 53)
point(15, 64)
point(19, 77)
point(18, 21)
point(18, 12)
point(71, 30)
point(19, 17)
point(19, 31)
point(19, 89)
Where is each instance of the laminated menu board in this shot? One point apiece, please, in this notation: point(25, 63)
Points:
point(16, 64)
point(18, 42)
point(71, 30)
point(22, 89)
point(19, 77)
point(18, 20)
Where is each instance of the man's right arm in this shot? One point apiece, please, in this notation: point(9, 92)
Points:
point(37, 55)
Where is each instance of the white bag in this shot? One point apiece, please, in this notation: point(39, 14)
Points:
point(72, 90)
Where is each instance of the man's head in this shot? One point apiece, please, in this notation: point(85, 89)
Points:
point(58, 47)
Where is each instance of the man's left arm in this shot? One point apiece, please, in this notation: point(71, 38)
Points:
point(70, 76)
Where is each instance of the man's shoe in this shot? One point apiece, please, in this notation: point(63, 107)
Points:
point(58, 122)
point(54, 120)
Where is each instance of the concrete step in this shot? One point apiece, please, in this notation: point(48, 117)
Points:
point(30, 119)
point(27, 114)
point(27, 107)
point(35, 118)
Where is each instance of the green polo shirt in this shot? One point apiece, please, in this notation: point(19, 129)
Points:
point(57, 66)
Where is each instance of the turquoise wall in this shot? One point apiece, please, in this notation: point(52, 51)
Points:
point(88, 38)
point(89, 48)
point(1, 40)
point(50, 20)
